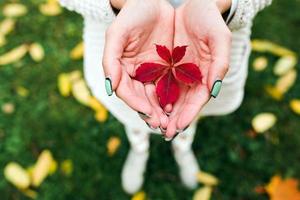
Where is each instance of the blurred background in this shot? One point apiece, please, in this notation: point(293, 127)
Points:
point(58, 142)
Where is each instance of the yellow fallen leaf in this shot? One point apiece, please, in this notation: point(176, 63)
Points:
point(36, 52)
point(101, 116)
point(14, 10)
point(260, 63)
point(6, 26)
point(67, 167)
point(285, 64)
point(203, 193)
point(263, 122)
point(284, 83)
point(207, 179)
point(30, 193)
point(281, 51)
point(77, 52)
point(113, 145)
point(75, 76)
point(139, 196)
point(17, 175)
point(53, 167)
point(42, 168)
point(13, 55)
point(295, 105)
point(96, 105)
point(51, 8)
point(274, 92)
point(267, 46)
point(64, 84)
point(2, 40)
point(81, 92)
point(22, 91)
point(8, 108)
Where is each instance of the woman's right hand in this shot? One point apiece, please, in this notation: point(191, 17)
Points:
point(130, 41)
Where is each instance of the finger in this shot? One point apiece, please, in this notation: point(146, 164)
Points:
point(133, 94)
point(196, 98)
point(219, 45)
point(113, 50)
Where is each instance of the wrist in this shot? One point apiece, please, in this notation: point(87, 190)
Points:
point(223, 5)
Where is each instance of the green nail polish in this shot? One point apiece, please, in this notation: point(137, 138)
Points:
point(108, 87)
point(216, 88)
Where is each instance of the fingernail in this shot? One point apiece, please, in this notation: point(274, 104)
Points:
point(151, 127)
point(181, 130)
point(162, 129)
point(108, 86)
point(143, 115)
point(168, 139)
point(216, 88)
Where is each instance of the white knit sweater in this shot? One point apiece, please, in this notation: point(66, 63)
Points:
point(98, 14)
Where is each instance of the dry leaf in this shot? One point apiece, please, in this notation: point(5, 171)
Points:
point(285, 64)
point(207, 179)
point(284, 83)
point(263, 122)
point(42, 168)
point(203, 193)
point(96, 105)
point(279, 189)
point(260, 63)
point(267, 46)
point(295, 105)
point(81, 92)
point(22, 91)
point(139, 196)
point(274, 92)
point(30, 193)
point(51, 8)
point(17, 175)
point(75, 76)
point(36, 52)
point(101, 116)
point(14, 10)
point(6, 26)
point(67, 167)
point(64, 84)
point(13, 55)
point(77, 52)
point(8, 108)
point(112, 145)
point(2, 40)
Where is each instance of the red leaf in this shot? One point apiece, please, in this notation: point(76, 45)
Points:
point(167, 89)
point(164, 53)
point(148, 72)
point(178, 53)
point(188, 73)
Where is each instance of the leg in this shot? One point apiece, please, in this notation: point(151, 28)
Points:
point(135, 164)
point(185, 158)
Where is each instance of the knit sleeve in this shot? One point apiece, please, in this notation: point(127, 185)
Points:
point(96, 9)
point(246, 11)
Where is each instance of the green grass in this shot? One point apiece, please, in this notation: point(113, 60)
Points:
point(221, 144)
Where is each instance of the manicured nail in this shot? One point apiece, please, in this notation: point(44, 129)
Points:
point(151, 127)
point(216, 88)
point(182, 130)
point(162, 129)
point(108, 86)
point(168, 139)
point(143, 115)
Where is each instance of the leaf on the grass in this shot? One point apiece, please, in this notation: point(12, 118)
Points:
point(2, 40)
point(14, 10)
point(14, 55)
point(149, 72)
point(8, 108)
point(81, 92)
point(75, 76)
point(263, 122)
point(285, 64)
point(22, 91)
point(36, 52)
point(29, 193)
point(164, 53)
point(101, 116)
point(77, 52)
point(279, 189)
point(64, 84)
point(188, 73)
point(42, 168)
point(139, 196)
point(274, 92)
point(113, 145)
point(17, 175)
point(101, 112)
point(167, 90)
point(66, 167)
point(207, 179)
point(7, 26)
point(267, 46)
point(260, 63)
point(203, 193)
point(284, 83)
point(50, 8)
point(295, 105)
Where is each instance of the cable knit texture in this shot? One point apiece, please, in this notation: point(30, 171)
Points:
point(96, 9)
point(246, 11)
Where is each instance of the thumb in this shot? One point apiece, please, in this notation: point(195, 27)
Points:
point(113, 50)
point(220, 46)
